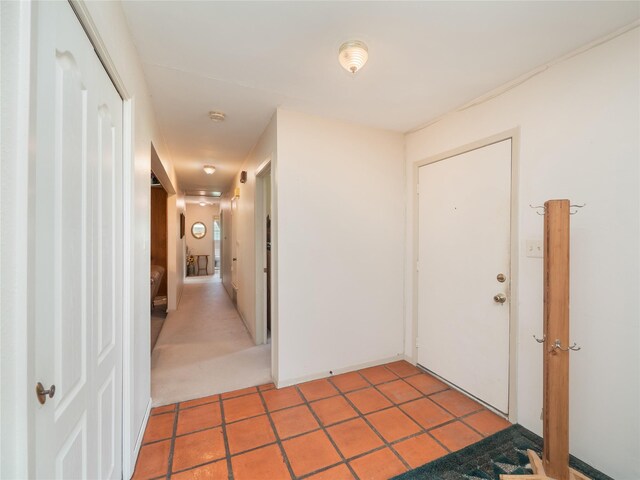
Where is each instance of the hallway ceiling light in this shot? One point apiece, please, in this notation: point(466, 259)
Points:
point(217, 116)
point(203, 204)
point(209, 169)
point(353, 55)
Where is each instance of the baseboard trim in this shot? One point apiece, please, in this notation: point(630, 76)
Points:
point(338, 371)
point(246, 325)
point(410, 359)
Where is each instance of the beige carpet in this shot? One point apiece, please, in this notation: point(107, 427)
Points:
point(204, 347)
point(158, 316)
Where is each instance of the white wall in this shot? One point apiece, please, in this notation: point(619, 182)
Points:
point(340, 232)
point(240, 228)
point(225, 257)
point(579, 124)
point(176, 248)
point(201, 246)
point(114, 31)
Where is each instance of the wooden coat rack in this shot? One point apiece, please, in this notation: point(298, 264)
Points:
point(555, 455)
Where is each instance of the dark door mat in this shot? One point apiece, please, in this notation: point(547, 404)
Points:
point(502, 453)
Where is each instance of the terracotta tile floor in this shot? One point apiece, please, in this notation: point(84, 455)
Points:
point(366, 425)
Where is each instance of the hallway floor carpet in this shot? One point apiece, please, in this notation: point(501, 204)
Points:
point(371, 424)
point(204, 347)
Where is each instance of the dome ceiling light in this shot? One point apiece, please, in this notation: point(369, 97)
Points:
point(217, 116)
point(209, 169)
point(353, 55)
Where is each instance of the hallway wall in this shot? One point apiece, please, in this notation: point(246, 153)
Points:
point(177, 249)
point(579, 124)
point(241, 220)
point(340, 280)
point(340, 209)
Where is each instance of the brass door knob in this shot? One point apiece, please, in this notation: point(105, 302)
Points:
point(500, 298)
point(42, 393)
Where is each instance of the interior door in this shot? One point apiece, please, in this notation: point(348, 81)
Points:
point(234, 244)
point(268, 270)
point(78, 254)
point(463, 246)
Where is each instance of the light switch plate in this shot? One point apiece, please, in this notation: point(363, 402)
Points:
point(534, 248)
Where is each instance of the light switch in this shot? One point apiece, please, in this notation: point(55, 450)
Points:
point(534, 248)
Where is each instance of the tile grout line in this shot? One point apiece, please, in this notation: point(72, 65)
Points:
point(366, 420)
point(339, 393)
point(325, 378)
point(323, 428)
point(425, 430)
point(472, 428)
point(447, 387)
point(455, 416)
point(227, 451)
point(283, 452)
point(173, 441)
point(195, 406)
point(320, 427)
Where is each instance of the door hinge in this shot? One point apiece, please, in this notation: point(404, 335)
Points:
point(417, 266)
point(417, 342)
point(417, 189)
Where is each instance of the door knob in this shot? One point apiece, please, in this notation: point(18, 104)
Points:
point(500, 298)
point(42, 393)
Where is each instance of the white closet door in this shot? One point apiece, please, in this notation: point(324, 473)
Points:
point(77, 254)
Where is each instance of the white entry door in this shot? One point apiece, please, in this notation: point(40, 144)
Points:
point(463, 245)
point(77, 261)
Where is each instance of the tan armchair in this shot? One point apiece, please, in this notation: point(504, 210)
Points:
point(157, 272)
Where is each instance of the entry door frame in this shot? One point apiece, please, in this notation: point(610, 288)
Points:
point(514, 135)
point(260, 253)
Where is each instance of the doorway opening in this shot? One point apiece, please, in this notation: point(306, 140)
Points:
point(158, 256)
point(217, 248)
point(263, 246)
point(216, 351)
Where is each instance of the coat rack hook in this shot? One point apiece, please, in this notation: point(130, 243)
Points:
point(537, 207)
point(540, 340)
point(573, 212)
point(558, 346)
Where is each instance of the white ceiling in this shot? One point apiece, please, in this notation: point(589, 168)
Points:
point(192, 199)
point(249, 58)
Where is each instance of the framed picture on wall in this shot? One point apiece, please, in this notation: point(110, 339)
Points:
point(181, 225)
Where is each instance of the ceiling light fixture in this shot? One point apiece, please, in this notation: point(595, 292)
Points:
point(209, 169)
point(353, 55)
point(217, 116)
point(202, 204)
